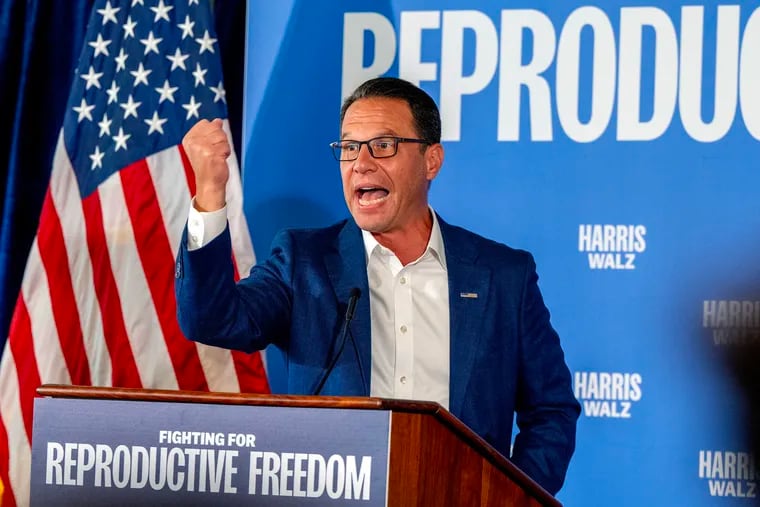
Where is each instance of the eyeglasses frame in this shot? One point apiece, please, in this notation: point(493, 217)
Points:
point(334, 146)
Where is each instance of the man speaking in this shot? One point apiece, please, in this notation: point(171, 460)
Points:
point(429, 311)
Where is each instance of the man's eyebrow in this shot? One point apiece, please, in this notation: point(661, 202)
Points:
point(383, 133)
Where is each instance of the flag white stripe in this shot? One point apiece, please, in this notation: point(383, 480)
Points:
point(219, 368)
point(140, 318)
point(19, 450)
point(168, 174)
point(64, 192)
point(241, 238)
point(47, 345)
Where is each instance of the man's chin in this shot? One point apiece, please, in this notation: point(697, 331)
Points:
point(367, 224)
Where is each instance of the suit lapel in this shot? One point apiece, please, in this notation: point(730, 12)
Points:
point(469, 286)
point(347, 268)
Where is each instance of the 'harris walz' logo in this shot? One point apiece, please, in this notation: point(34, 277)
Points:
point(611, 246)
point(732, 322)
point(729, 473)
point(606, 394)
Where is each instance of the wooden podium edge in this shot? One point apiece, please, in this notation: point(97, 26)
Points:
point(344, 402)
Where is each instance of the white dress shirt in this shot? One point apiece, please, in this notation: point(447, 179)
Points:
point(409, 308)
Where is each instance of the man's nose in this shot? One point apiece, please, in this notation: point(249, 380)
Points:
point(364, 161)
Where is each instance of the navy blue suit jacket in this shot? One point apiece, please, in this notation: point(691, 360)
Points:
point(506, 358)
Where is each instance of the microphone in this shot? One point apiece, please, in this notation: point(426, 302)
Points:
point(352, 300)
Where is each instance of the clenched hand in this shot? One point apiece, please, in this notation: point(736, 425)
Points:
point(207, 147)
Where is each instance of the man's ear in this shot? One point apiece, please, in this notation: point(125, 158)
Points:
point(433, 160)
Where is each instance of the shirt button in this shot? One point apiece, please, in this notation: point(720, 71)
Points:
point(403, 329)
point(194, 238)
point(403, 280)
point(402, 380)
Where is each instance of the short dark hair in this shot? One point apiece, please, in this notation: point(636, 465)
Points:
point(427, 119)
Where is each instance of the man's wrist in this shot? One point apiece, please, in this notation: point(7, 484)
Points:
point(208, 201)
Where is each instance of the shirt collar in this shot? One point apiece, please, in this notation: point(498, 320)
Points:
point(435, 243)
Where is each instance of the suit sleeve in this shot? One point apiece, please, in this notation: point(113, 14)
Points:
point(546, 408)
point(247, 316)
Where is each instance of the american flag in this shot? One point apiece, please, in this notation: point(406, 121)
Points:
point(97, 301)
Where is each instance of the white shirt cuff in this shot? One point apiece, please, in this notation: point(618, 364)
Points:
point(204, 226)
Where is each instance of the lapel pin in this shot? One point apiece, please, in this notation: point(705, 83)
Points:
point(468, 295)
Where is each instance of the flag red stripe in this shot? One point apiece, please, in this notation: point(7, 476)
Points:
point(53, 255)
point(189, 175)
point(22, 347)
point(124, 371)
point(7, 499)
point(250, 372)
point(155, 254)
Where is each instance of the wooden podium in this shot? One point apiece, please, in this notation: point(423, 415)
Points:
point(433, 458)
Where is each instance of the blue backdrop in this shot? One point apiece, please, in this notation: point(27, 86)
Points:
point(617, 142)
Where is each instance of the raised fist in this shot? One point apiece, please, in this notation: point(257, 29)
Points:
point(207, 147)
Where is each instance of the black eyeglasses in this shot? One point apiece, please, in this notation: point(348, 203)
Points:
point(379, 147)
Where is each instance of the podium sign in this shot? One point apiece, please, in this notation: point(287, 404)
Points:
point(116, 452)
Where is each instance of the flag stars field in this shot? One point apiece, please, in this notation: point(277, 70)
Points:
point(144, 55)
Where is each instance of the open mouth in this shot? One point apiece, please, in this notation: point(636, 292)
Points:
point(371, 195)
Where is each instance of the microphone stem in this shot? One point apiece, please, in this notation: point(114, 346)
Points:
point(359, 362)
point(350, 309)
point(329, 369)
